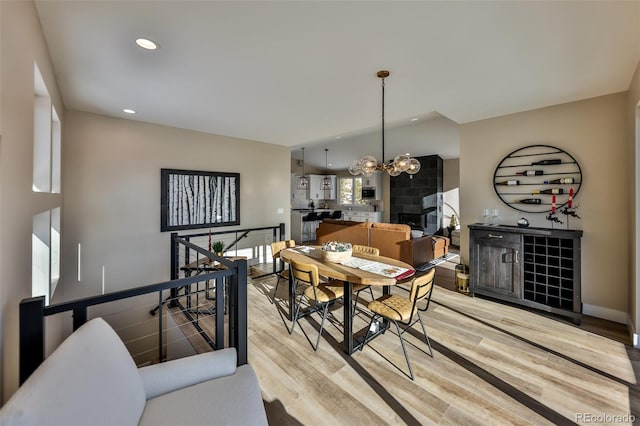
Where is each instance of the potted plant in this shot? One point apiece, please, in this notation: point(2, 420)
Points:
point(218, 248)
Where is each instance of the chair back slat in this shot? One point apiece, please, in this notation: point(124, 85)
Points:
point(421, 287)
point(357, 248)
point(305, 273)
point(277, 247)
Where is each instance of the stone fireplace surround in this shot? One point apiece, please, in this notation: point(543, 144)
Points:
point(417, 200)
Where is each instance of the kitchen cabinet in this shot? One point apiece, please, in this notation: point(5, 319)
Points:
point(534, 267)
point(361, 216)
point(314, 191)
point(497, 262)
point(374, 181)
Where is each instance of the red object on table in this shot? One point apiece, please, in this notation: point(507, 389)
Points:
point(405, 274)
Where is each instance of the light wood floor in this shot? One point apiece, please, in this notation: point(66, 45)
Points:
point(492, 364)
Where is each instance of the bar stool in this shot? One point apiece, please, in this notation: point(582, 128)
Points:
point(309, 226)
point(324, 215)
point(337, 214)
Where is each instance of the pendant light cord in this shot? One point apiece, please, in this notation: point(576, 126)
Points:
point(382, 159)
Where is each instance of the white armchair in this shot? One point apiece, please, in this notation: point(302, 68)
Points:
point(91, 379)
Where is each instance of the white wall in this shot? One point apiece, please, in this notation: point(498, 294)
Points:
point(22, 44)
point(112, 194)
point(112, 205)
point(594, 132)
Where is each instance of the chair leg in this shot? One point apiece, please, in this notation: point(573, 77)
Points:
point(355, 300)
point(355, 303)
point(295, 315)
point(325, 309)
point(426, 336)
point(366, 336)
point(406, 356)
point(273, 298)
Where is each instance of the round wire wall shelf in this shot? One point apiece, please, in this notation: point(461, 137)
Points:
point(529, 177)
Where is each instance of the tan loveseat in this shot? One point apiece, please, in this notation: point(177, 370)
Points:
point(392, 239)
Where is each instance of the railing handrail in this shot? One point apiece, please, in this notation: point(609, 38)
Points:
point(231, 231)
point(136, 291)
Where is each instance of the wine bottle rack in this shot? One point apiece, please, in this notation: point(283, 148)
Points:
point(549, 271)
point(523, 160)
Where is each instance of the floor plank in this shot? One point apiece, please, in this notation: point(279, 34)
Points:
point(493, 364)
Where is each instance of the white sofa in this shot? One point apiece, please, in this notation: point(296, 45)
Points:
point(91, 379)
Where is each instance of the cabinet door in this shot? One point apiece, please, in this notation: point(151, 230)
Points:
point(497, 263)
point(315, 191)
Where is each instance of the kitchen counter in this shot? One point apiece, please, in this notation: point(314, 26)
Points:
point(297, 225)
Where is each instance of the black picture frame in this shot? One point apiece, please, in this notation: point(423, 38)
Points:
point(191, 199)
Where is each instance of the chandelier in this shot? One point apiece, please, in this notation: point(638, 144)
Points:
point(401, 163)
point(303, 181)
point(325, 182)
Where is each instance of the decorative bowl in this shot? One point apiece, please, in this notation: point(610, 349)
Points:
point(336, 256)
point(336, 251)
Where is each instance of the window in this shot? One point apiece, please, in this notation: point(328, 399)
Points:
point(41, 256)
point(351, 190)
point(47, 160)
point(46, 138)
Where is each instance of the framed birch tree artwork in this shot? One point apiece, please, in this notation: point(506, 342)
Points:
point(193, 199)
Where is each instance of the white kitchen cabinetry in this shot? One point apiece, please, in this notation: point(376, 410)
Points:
point(374, 181)
point(359, 216)
point(315, 193)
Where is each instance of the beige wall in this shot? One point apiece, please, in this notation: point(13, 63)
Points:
point(22, 45)
point(633, 158)
point(112, 194)
point(594, 132)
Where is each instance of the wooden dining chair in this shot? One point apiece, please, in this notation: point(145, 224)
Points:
point(357, 288)
point(319, 294)
point(401, 310)
point(283, 272)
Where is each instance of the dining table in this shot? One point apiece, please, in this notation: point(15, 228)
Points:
point(360, 269)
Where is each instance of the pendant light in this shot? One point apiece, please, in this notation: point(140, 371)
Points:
point(368, 164)
point(303, 181)
point(325, 182)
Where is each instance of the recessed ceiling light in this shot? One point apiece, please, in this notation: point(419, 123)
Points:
point(414, 119)
point(145, 43)
point(128, 111)
point(338, 137)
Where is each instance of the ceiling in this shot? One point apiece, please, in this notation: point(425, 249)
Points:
point(301, 73)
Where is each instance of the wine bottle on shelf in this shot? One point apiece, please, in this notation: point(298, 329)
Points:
point(559, 181)
point(547, 162)
point(531, 201)
point(531, 173)
point(509, 182)
point(548, 191)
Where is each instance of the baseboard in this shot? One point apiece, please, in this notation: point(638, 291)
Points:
point(605, 313)
point(635, 336)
